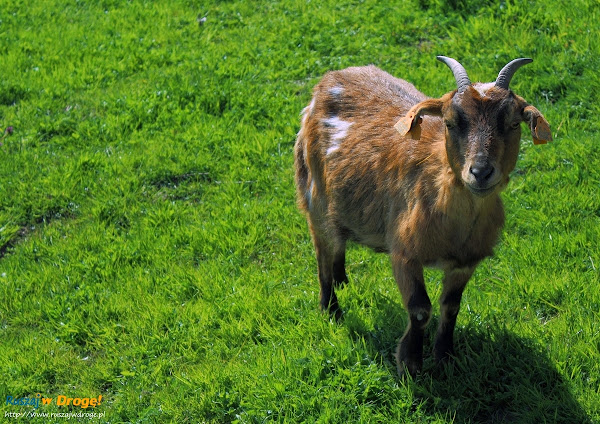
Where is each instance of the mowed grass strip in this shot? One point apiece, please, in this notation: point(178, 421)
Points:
point(151, 251)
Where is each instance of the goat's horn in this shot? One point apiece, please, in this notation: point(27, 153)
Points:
point(509, 70)
point(460, 74)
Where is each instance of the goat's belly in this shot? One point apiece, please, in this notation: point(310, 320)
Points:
point(363, 218)
point(453, 265)
point(376, 242)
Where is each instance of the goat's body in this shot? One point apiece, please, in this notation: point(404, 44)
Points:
point(426, 192)
point(415, 204)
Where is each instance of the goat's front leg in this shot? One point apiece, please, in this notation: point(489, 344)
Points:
point(409, 277)
point(454, 284)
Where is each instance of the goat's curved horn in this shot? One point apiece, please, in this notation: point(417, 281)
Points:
point(509, 70)
point(460, 74)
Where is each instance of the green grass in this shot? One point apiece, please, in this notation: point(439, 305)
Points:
point(151, 251)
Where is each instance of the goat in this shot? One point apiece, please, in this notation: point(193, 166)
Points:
point(425, 190)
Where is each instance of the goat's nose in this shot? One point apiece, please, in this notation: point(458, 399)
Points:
point(481, 171)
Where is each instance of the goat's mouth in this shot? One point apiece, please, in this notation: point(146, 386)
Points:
point(482, 191)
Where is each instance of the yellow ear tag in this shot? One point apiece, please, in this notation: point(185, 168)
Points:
point(409, 124)
point(404, 124)
point(542, 133)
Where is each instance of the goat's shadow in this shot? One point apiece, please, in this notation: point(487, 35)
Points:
point(496, 376)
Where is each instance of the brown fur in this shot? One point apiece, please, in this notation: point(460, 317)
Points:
point(414, 195)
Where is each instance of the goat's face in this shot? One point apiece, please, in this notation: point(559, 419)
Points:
point(482, 127)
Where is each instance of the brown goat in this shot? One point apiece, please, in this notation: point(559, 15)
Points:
point(425, 190)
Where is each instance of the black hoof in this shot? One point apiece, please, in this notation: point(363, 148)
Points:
point(333, 310)
point(443, 350)
point(408, 360)
point(340, 281)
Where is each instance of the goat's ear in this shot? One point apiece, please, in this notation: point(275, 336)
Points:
point(540, 129)
point(411, 122)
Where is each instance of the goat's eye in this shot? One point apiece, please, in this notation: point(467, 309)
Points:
point(515, 125)
point(450, 124)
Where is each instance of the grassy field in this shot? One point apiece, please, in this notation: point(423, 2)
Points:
point(151, 251)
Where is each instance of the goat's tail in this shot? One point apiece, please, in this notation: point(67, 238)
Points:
point(302, 171)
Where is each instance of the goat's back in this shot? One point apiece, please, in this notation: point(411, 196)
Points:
point(358, 92)
point(353, 170)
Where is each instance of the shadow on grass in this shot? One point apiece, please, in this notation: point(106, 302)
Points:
point(496, 376)
point(499, 377)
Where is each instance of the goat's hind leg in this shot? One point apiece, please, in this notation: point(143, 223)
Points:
point(326, 254)
point(339, 264)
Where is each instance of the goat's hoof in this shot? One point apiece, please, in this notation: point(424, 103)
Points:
point(408, 368)
point(333, 311)
point(443, 352)
point(443, 357)
point(336, 314)
point(339, 283)
point(407, 361)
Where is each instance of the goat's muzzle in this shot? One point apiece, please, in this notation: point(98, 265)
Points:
point(481, 177)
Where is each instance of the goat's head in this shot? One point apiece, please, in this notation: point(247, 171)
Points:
point(482, 126)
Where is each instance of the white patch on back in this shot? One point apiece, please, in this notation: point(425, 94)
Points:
point(336, 91)
point(339, 130)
